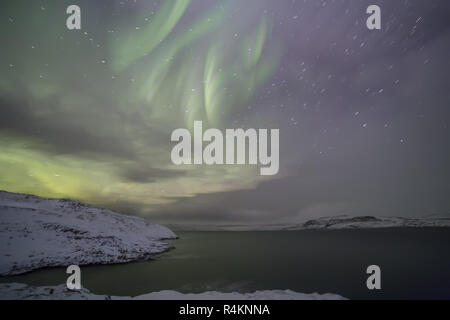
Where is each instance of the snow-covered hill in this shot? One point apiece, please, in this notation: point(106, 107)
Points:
point(337, 222)
point(16, 291)
point(365, 222)
point(37, 232)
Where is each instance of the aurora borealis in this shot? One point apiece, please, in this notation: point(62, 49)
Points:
point(363, 115)
point(135, 83)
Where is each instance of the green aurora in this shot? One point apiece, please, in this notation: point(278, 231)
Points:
point(116, 89)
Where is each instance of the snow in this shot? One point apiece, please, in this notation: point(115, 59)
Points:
point(257, 295)
point(337, 222)
point(367, 222)
point(37, 232)
point(16, 291)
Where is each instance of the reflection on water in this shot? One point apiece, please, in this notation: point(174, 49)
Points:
point(415, 264)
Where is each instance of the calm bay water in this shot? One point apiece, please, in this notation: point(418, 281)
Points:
point(415, 263)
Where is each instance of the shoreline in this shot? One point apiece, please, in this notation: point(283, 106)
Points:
point(18, 291)
point(39, 232)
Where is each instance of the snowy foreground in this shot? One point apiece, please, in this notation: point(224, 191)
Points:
point(37, 232)
point(16, 291)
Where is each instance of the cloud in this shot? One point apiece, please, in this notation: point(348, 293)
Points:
point(362, 114)
point(144, 174)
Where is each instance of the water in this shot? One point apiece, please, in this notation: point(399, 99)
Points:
point(415, 263)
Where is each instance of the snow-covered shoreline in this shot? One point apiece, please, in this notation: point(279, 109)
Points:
point(371, 222)
point(37, 232)
point(330, 223)
point(16, 291)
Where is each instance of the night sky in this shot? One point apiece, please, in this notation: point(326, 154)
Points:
point(363, 114)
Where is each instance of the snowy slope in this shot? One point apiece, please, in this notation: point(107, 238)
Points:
point(37, 232)
point(337, 222)
point(365, 222)
point(16, 291)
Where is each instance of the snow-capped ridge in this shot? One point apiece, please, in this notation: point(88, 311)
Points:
point(333, 222)
point(368, 222)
